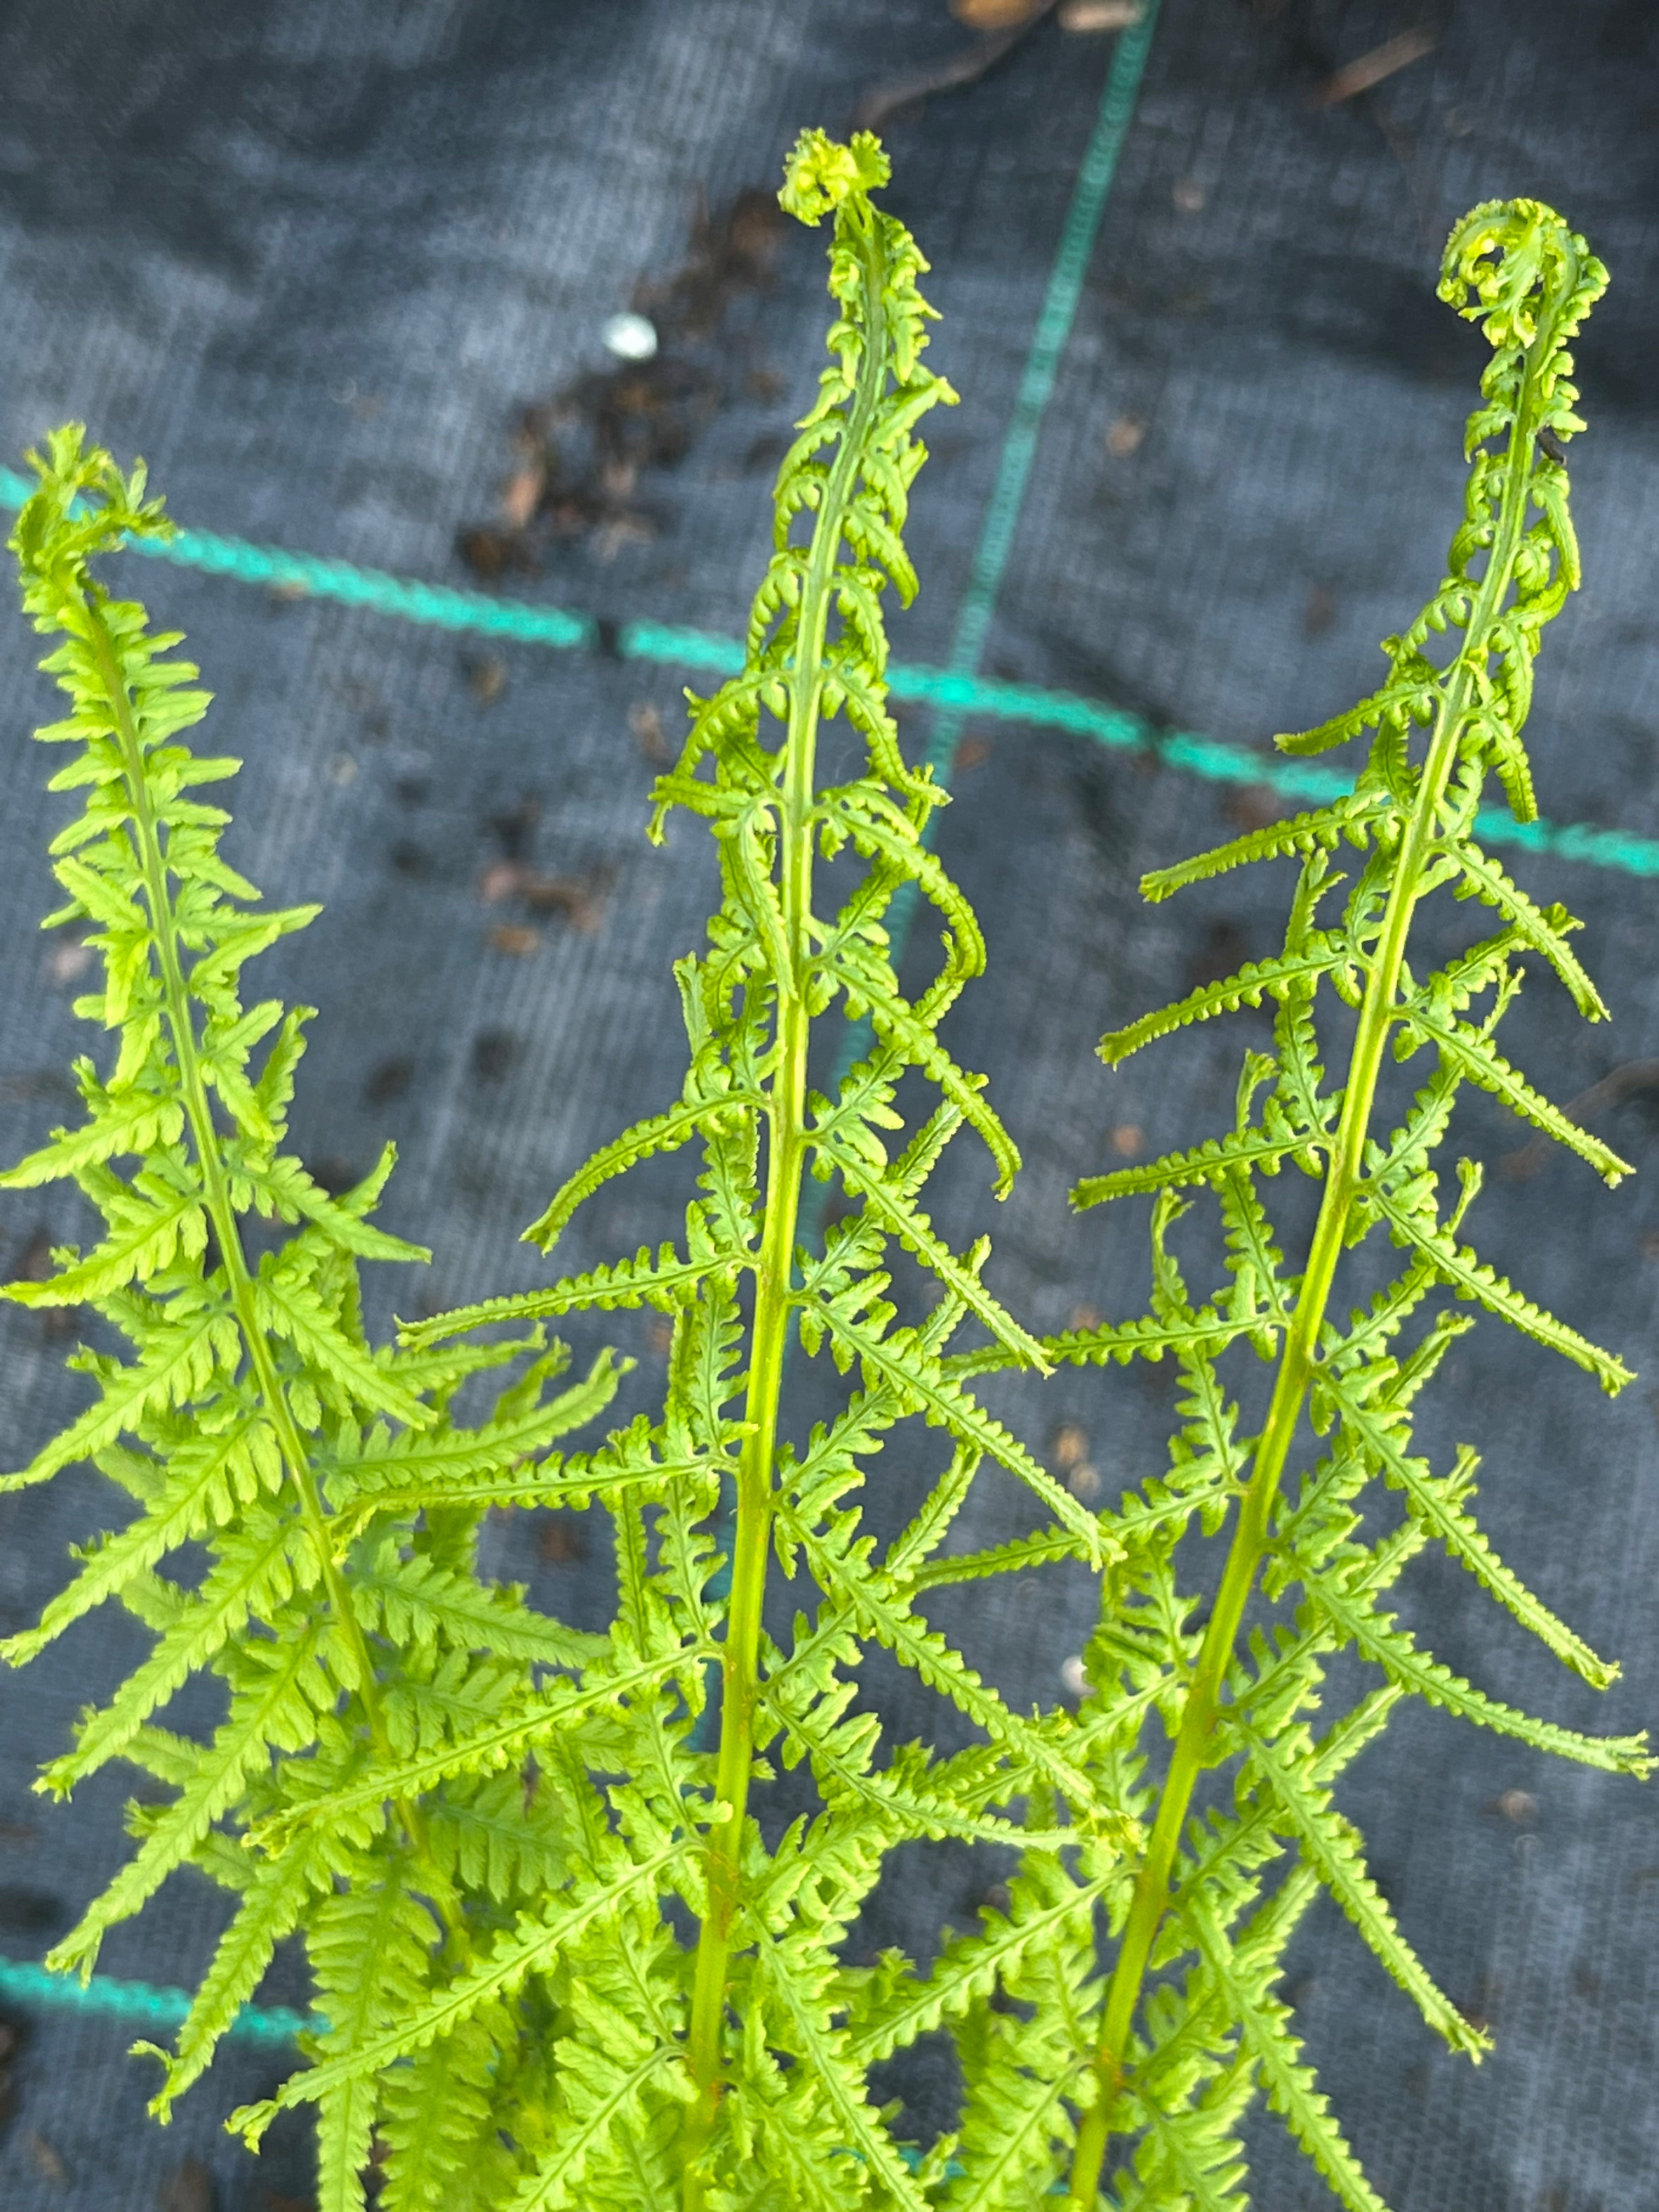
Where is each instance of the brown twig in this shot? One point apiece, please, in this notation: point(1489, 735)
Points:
point(1369, 69)
point(966, 66)
point(580, 903)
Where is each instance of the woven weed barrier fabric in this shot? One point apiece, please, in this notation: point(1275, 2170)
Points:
point(314, 258)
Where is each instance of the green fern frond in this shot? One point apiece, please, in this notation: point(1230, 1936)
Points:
point(1437, 1504)
point(1276, 978)
point(1291, 2087)
point(1168, 2069)
point(273, 1905)
point(247, 1394)
point(1543, 928)
point(1469, 1277)
point(1208, 1162)
point(1354, 818)
point(351, 2061)
point(492, 1829)
point(816, 650)
point(437, 2115)
point(1476, 1059)
point(1329, 1845)
point(1376, 1638)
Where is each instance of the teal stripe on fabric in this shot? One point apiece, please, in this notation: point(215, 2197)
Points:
point(141, 2004)
point(949, 690)
point(680, 648)
point(435, 604)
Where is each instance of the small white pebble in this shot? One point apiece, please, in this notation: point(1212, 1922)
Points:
point(630, 336)
point(1071, 1674)
point(343, 769)
point(65, 961)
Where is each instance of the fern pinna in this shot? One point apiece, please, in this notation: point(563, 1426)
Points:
point(1163, 2058)
point(248, 1417)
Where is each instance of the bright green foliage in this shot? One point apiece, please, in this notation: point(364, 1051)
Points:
point(738, 2074)
point(495, 1835)
point(487, 1827)
point(1138, 2083)
point(248, 1416)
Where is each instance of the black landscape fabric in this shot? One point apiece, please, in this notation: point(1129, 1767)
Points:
point(340, 269)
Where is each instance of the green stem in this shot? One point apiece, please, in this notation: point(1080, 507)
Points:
point(773, 1282)
point(221, 1212)
point(1297, 1361)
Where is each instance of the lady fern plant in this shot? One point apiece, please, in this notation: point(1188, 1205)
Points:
point(744, 2081)
point(558, 1961)
point(1129, 2087)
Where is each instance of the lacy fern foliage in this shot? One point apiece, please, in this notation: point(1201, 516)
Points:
point(488, 1828)
point(558, 1960)
point(1164, 2054)
point(248, 1415)
point(750, 2051)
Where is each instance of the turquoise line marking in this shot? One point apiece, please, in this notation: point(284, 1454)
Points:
point(435, 604)
point(139, 2002)
point(951, 689)
point(683, 648)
